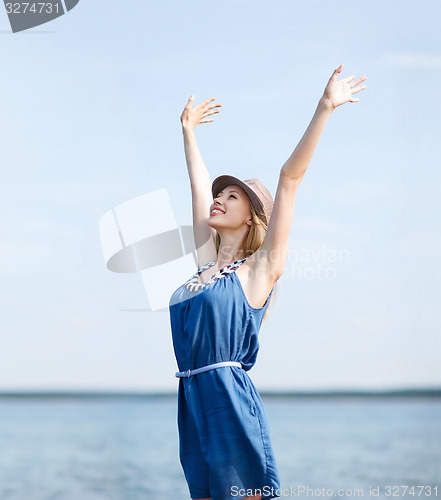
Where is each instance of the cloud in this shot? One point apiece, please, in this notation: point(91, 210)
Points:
point(422, 243)
point(22, 258)
point(369, 193)
point(320, 225)
point(412, 60)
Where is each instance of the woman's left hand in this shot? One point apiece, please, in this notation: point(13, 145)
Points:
point(337, 92)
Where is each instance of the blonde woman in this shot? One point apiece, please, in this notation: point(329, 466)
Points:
point(241, 236)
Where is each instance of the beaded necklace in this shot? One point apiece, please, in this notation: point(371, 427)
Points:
point(192, 284)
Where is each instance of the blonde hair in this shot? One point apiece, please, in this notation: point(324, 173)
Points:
point(255, 238)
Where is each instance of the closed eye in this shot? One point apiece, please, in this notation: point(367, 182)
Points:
point(235, 197)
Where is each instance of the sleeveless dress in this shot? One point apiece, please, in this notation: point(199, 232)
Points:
point(224, 437)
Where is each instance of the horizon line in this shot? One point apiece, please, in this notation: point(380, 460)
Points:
point(410, 392)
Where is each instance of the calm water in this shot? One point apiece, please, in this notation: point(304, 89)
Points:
point(127, 449)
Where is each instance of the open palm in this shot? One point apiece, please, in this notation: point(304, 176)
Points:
point(192, 116)
point(337, 92)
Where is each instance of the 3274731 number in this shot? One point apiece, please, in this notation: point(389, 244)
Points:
point(419, 490)
point(34, 7)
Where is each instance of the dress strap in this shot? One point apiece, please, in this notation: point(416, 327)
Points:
point(192, 284)
point(203, 268)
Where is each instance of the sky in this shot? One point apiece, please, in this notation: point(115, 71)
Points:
point(90, 119)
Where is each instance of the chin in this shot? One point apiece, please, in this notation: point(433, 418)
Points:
point(211, 222)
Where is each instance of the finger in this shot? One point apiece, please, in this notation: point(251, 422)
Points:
point(213, 106)
point(206, 121)
point(337, 71)
point(210, 111)
point(354, 100)
point(348, 78)
point(190, 102)
point(208, 108)
point(354, 91)
point(208, 114)
point(204, 103)
point(359, 80)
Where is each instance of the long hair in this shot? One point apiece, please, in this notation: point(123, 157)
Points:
point(255, 238)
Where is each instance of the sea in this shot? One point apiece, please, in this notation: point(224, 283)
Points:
point(126, 447)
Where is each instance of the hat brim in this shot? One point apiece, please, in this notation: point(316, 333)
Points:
point(223, 181)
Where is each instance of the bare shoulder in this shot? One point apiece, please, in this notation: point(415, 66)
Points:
point(256, 280)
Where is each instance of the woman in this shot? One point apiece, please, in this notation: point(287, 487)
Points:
point(241, 238)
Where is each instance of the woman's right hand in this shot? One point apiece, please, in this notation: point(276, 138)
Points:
point(192, 117)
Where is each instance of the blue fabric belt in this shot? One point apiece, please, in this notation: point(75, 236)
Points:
point(189, 373)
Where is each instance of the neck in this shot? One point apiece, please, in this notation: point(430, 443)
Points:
point(231, 248)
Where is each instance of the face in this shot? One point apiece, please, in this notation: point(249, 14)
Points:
point(230, 209)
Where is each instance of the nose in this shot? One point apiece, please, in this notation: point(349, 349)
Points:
point(216, 203)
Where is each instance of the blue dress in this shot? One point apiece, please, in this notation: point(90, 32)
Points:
point(224, 438)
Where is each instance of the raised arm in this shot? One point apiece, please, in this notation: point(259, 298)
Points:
point(200, 182)
point(271, 255)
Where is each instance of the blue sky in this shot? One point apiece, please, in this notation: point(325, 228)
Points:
point(91, 104)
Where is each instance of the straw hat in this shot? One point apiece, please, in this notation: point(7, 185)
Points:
point(258, 194)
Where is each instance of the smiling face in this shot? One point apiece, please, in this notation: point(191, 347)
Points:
point(230, 209)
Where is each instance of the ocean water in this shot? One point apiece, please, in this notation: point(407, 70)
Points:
point(73, 448)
